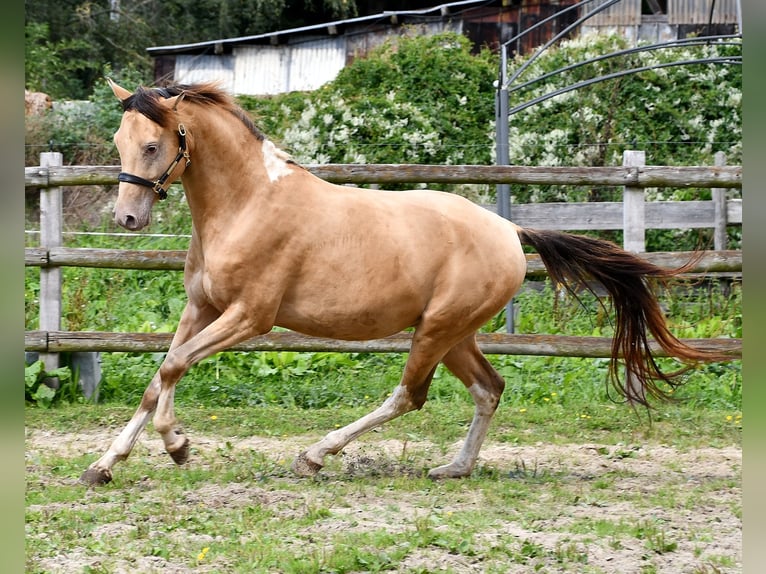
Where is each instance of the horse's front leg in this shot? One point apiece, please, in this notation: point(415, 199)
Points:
point(193, 320)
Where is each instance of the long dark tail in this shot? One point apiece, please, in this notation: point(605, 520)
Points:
point(572, 260)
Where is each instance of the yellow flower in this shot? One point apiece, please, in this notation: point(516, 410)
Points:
point(213, 417)
point(522, 410)
point(201, 555)
point(729, 417)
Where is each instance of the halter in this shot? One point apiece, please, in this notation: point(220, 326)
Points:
point(158, 185)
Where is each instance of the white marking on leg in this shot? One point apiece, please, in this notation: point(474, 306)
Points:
point(124, 443)
point(275, 161)
point(464, 462)
point(395, 405)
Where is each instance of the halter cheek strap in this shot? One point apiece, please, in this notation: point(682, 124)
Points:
point(161, 184)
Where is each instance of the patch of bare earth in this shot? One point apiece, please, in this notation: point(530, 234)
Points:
point(689, 500)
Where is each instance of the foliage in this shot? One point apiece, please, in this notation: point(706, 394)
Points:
point(419, 99)
point(427, 99)
point(81, 130)
point(349, 120)
point(52, 67)
point(679, 115)
point(38, 391)
point(68, 41)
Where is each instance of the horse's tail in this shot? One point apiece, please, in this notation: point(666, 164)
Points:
point(572, 260)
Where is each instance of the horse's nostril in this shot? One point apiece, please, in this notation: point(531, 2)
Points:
point(129, 222)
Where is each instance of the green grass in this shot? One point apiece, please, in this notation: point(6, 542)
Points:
point(372, 509)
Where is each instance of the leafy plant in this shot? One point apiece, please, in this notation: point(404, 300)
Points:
point(38, 390)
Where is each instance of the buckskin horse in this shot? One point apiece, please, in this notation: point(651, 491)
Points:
point(273, 245)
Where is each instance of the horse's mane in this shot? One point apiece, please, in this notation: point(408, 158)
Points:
point(146, 102)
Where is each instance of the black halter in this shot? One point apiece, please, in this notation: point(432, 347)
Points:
point(158, 185)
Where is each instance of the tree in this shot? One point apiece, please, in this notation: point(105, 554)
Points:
point(70, 41)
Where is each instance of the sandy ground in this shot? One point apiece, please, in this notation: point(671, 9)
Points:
point(648, 470)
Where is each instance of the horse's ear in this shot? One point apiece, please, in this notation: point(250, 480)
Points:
point(173, 102)
point(119, 91)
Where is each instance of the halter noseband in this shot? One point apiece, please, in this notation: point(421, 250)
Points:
point(158, 185)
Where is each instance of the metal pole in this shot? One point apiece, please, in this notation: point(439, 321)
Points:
point(503, 190)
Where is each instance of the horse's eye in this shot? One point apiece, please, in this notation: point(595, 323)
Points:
point(151, 149)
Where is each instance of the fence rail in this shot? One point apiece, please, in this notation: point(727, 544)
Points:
point(491, 343)
point(640, 176)
point(729, 261)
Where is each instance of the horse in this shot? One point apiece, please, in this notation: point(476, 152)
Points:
point(274, 245)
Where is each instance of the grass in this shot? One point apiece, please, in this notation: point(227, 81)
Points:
point(569, 491)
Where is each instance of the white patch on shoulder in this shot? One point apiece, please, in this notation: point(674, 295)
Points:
point(275, 161)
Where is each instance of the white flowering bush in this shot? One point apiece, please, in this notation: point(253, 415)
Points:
point(679, 115)
point(419, 100)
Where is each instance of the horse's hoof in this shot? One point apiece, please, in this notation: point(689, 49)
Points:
point(302, 466)
point(448, 471)
point(181, 454)
point(96, 476)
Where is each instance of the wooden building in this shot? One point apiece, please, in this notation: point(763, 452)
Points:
point(305, 58)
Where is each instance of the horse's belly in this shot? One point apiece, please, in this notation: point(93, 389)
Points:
point(350, 314)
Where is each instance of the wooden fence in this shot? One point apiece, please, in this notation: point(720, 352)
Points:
point(633, 216)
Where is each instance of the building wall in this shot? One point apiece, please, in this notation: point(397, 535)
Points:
point(194, 68)
point(299, 66)
point(305, 63)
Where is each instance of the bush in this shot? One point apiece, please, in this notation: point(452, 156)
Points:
point(427, 99)
point(679, 115)
point(421, 100)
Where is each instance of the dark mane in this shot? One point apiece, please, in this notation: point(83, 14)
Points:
point(146, 102)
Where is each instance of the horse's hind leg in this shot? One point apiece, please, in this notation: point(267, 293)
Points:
point(409, 395)
point(485, 384)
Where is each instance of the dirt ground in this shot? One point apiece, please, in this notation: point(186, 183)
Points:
point(647, 470)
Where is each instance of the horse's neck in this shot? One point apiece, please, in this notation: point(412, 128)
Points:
point(226, 177)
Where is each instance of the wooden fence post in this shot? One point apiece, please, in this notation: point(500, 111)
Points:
point(719, 205)
point(50, 236)
point(634, 237)
point(633, 207)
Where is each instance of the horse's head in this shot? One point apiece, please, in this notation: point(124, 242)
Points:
point(152, 152)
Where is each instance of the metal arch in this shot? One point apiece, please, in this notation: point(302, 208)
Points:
point(502, 111)
point(718, 60)
point(556, 38)
point(678, 43)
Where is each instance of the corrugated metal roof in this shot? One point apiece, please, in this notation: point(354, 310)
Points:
point(318, 30)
